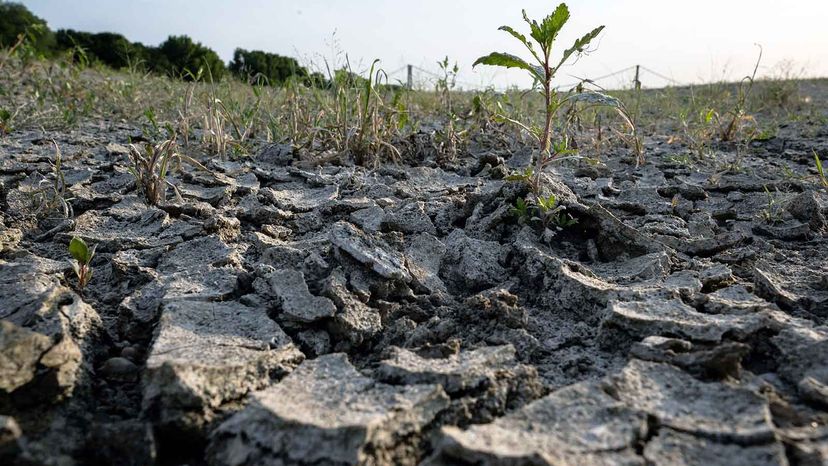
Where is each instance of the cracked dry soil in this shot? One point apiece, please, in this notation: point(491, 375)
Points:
point(278, 314)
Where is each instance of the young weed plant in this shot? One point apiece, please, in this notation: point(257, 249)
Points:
point(51, 195)
point(150, 167)
point(773, 211)
point(543, 69)
point(83, 255)
point(823, 179)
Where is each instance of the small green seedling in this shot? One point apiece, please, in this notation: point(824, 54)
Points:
point(543, 69)
point(823, 180)
point(521, 209)
point(548, 211)
point(52, 194)
point(772, 213)
point(554, 213)
point(150, 166)
point(83, 255)
point(544, 35)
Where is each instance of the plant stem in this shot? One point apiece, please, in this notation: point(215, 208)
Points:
point(547, 127)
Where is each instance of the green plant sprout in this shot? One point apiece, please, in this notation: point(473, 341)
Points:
point(543, 70)
point(737, 115)
point(823, 180)
point(544, 35)
point(150, 166)
point(83, 255)
point(549, 212)
point(772, 213)
point(52, 195)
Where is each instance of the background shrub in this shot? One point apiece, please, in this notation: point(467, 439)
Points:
point(275, 68)
point(179, 55)
point(16, 19)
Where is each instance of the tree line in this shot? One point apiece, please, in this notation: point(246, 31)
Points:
point(179, 56)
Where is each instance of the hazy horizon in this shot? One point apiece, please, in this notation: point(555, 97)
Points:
point(688, 43)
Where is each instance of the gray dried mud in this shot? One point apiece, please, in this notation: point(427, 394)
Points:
point(279, 314)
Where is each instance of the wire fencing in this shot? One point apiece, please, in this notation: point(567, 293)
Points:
point(421, 78)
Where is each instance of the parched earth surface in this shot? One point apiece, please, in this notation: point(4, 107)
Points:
point(279, 313)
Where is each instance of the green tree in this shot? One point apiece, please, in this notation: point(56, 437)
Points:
point(16, 19)
point(109, 48)
point(275, 68)
point(179, 55)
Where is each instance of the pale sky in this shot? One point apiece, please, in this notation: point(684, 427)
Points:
point(686, 40)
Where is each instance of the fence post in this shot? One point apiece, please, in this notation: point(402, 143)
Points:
point(410, 80)
point(636, 82)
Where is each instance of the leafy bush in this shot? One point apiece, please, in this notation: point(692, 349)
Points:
point(17, 20)
point(109, 48)
point(276, 69)
point(179, 56)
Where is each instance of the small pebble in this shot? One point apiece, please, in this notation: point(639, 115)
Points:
point(120, 369)
point(130, 353)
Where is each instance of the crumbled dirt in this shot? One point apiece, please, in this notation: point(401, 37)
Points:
point(279, 314)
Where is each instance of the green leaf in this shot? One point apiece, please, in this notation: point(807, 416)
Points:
point(552, 24)
point(579, 46)
point(508, 61)
point(522, 39)
point(820, 170)
point(79, 250)
point(534, 27)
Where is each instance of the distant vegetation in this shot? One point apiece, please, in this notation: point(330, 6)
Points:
point(178, 56)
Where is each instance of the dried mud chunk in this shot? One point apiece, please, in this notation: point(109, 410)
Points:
point(209, 284)
point(20, 351)
point(299, 198)
point(326, 412)
point(423, 255)
point(382, 260)
point(473, 264)
point(205, 354)
point(497, 304)
point(717, 361)
point(369, 219)
point(208, 251)
point(637, 269)
point(803, 361)
point(661, 317)
point(579, 424)
point(354, 321)
point(213, 195)
point(483, 383)
point(140, 310)
point(44, 332)
point(276, 154)
point(679, 449)
point(713, 410)
point(789, 231)
point(250, 209)
point(807, 446)
point(795, 282)
point(130, 224)
point(295, 300)
point(466, 370)
point(705, 247)
point(809, 207)
point(205, 268)
point(410, 218)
